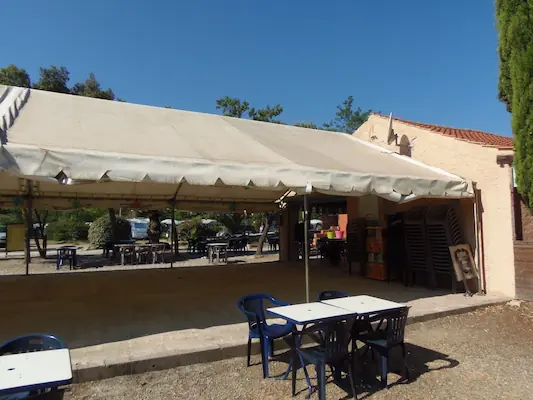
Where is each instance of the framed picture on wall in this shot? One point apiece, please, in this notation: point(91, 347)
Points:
point(463, 263)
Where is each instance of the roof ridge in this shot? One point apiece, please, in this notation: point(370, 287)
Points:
point(463, 134)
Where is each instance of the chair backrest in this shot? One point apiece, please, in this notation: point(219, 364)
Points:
point(396, 321)
point(253, 306)
point(335, 338)
point(331, 294)
point(30, 343)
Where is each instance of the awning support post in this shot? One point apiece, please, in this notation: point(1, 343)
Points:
point(172, 233)
point(29, 227)
point(173, 238)
point(306, 248)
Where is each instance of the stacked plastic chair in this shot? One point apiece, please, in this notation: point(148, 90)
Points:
point(443, 230)
point(416, 245)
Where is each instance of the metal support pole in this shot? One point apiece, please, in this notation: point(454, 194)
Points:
point(29, 227)
point(172, 236)
point(306, 248)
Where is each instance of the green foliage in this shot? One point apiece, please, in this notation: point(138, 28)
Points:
point(185, 229)
point(53, 79)
point(67, 230)
point(232, 221)
point(10, 216)
point(13, 76)
point(91, 88)
point(347, 119)
point(507, 20)
point(101, 231)
point(515, 26)
point(266, 114)
point(232, 107)
point(308, 125)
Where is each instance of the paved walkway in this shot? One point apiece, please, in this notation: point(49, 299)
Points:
point(200, 321)
point(120, 322)
point(190, 346)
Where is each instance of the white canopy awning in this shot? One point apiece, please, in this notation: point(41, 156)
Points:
point(98, 152)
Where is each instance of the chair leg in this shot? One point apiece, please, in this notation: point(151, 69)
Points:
point(404, 354)
point(294, 371)
point(321, 375)
point(248, 354)
point(271, 347)
point(351, 376)
point(264, 356)
point(384, 368)
point(307, 379)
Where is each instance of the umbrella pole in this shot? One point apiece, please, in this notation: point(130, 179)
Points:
point(306, 248)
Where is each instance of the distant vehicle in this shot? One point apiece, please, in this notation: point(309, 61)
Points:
point(139, 228)
point(3, 236)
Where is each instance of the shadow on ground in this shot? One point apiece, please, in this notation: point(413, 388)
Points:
point(420, 361)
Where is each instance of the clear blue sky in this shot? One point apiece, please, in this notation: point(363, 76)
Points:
point(425, 60)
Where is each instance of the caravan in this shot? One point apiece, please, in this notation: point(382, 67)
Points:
point(139, 228)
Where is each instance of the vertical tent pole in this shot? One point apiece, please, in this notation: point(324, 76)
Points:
point(306, 249)
point(29, 227)
point(172, 236)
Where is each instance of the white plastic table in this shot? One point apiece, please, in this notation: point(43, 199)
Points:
point(302, 314)
point(364, 305)
point(35, 370)
point(217, 249)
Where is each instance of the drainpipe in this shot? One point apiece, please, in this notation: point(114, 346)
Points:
point(480, 241)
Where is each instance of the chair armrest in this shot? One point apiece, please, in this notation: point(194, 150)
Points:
point(279, 302)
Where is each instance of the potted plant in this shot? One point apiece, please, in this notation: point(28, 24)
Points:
point(331, 233)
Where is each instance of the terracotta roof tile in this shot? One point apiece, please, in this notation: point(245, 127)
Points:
point(468, 135)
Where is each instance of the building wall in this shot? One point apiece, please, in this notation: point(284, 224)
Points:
point(473, 162)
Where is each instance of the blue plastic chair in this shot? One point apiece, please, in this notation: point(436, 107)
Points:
point(383, 340)
point(331, 294)
point(332, 350)
point(253, 306)
point(27, 344)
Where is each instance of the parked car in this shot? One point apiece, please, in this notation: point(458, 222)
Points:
point(139, 228)
point(3, 236)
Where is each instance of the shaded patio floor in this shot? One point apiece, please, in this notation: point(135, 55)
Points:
point(133, 321)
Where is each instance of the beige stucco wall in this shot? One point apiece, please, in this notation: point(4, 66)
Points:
point(473, 162)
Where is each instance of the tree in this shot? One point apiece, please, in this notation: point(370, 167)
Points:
point(154, 227)
point(41, 234)
point(308, 125)
point(232, 107)
point(515, 27)
point(231, 221)
point(14, 76)
point(266, 114)
point(91, 88)
point(347, 119)
point(53, 79)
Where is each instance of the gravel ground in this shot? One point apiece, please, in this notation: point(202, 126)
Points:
point(485, 354)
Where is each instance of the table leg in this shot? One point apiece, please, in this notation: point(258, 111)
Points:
point(74, 259)
point(122, 257)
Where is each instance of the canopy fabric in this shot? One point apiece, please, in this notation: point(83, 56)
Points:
point(112, 152)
